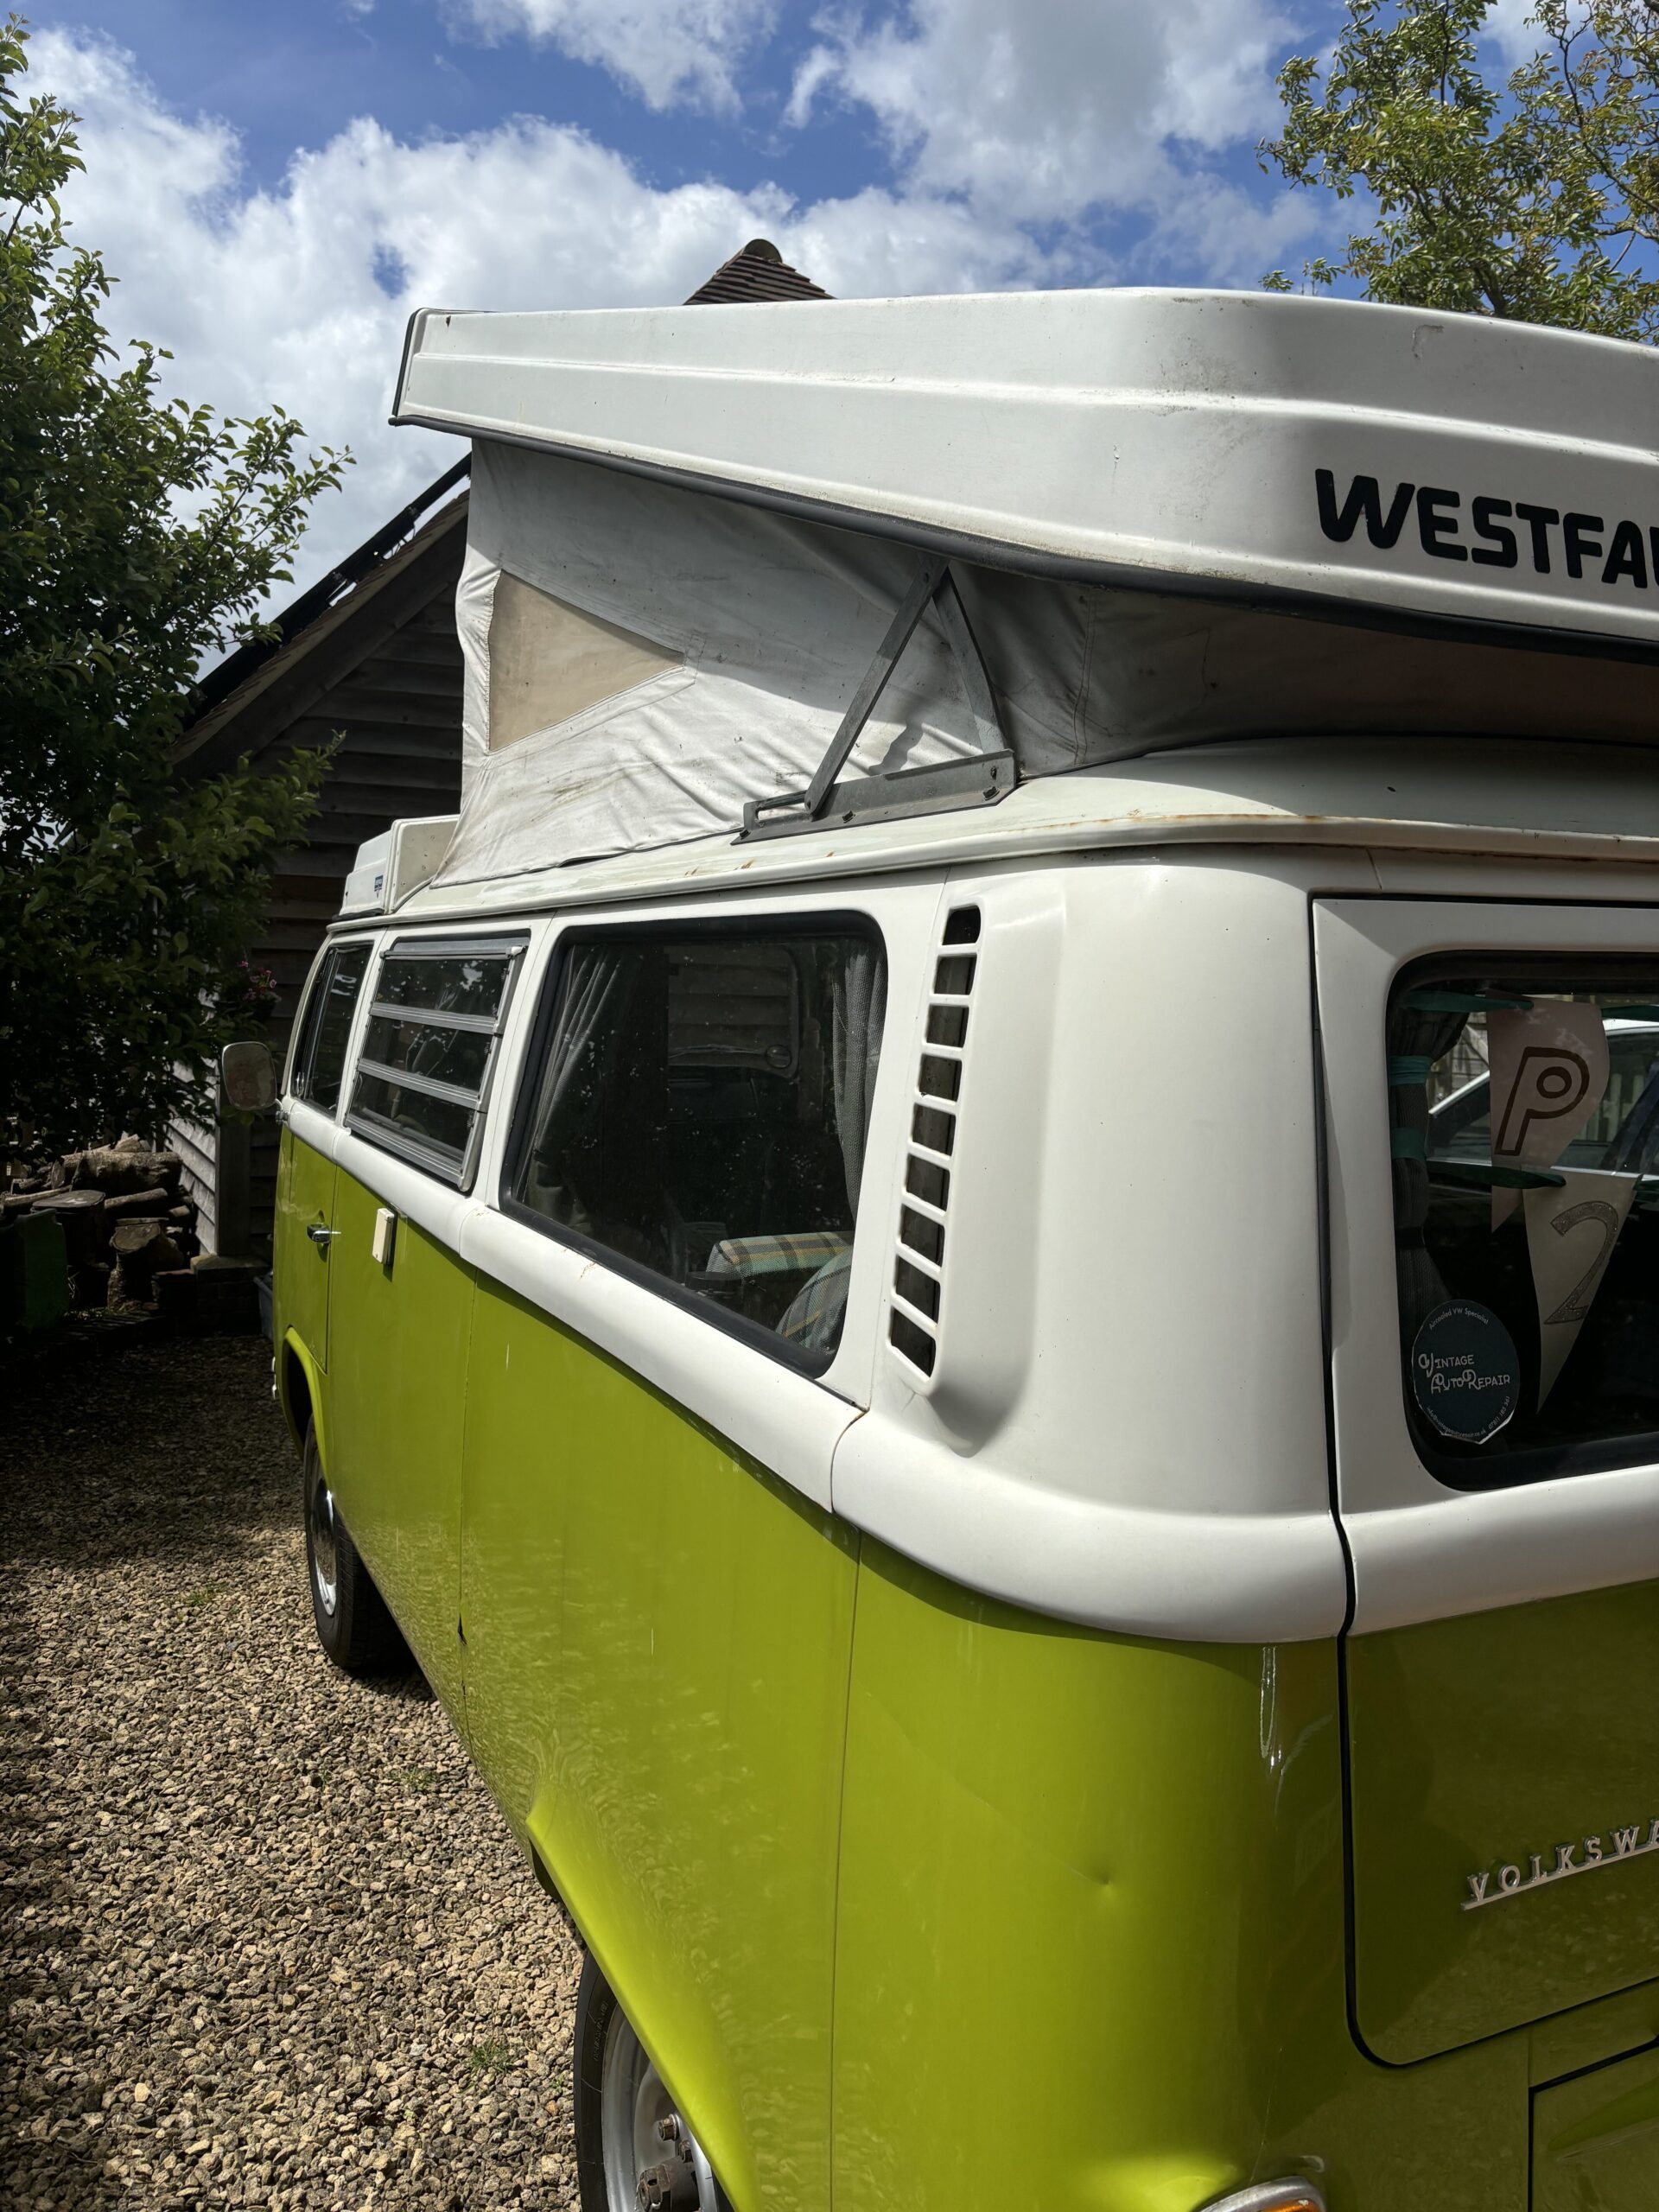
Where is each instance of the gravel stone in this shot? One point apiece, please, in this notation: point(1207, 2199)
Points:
point(263, 1938)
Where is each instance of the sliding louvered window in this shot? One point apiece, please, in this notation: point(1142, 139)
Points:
point(429, 1047)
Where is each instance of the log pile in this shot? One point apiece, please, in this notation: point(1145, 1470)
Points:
point(126, 1221)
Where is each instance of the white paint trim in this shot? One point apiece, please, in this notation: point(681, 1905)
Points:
point(311, 1126)
point(1126, 1421)
point(1080, 1479)
point(1203, 1577)
point(786, 1421)
point(413, 1195)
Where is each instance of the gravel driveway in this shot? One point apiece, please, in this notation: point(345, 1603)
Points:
point(264, 1940)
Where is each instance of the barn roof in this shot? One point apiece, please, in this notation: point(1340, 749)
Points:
point(759, 272)
point(251, 696)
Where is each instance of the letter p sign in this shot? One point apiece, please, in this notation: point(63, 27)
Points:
point(1548, 1072)
point(1550, 1083)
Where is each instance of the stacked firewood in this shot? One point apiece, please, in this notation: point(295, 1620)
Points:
point(124, 1218)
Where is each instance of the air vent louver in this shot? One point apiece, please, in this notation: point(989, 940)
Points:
point(913, 1307)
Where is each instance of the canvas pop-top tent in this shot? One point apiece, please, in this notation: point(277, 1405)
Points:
point(903, 554)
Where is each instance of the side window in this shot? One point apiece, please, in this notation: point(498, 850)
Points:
point(698, 1108)
point(1525, 1135)
point(434, 1029)
point(325, 1030)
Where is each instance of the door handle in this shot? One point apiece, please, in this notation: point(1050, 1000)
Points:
point(319, 1235)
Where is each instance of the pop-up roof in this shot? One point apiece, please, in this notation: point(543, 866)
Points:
point(1152, 519)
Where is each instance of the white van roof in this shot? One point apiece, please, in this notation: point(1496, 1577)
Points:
point(903, 555)
point(1459, 799)
point(1121, 436)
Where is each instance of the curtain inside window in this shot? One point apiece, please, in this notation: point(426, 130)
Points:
point(1416, 1040)
point(599, 982)
point(860, 998)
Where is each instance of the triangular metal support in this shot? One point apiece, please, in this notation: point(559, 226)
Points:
point(977, 779)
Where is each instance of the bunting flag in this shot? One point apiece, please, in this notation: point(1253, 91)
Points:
point(1548, 1075)
point(1571, 1234)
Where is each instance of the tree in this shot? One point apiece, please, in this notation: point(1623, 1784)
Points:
point(138, 536)
point(1535, 197)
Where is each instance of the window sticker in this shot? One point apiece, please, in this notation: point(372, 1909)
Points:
point(1465, 1371)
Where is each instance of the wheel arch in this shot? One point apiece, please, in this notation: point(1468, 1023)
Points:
point(299, 1383)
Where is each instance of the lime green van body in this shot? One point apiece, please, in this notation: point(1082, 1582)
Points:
point(920, 1897)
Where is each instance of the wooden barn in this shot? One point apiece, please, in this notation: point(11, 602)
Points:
point(368, 660)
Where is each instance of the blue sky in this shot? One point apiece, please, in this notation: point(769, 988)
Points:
point(300, 75)
point(275, 189)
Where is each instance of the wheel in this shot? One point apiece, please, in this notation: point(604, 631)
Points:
point(634, 2153)
point(353, 1626)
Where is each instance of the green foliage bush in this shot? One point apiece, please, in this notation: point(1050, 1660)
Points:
point(138, 536)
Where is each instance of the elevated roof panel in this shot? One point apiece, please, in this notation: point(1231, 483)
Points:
point(1444, 468)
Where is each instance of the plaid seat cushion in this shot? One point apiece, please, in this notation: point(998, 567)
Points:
point(747, 1256)
point(813, 1320)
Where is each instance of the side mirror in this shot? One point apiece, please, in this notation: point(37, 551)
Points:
point(249, 1074)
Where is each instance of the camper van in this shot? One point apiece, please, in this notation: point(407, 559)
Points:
point(974, 1263)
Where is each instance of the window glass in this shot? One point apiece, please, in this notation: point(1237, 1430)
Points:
point(428, 1048)
point(700, 1108)
point(1524, 1113)
point(319, 1058)
point(440, 1124)
point(455, 1056)
point(470, 983)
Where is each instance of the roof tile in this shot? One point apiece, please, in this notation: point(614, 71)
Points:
point(759, 272)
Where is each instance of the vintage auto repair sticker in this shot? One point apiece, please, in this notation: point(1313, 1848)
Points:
point(1465, 1372)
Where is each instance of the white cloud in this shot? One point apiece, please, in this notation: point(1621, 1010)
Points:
point(812, 75)
point(1233, 237)
point(280, 295)
point(666, 50)
point(1511, 27)
point(298, 294)
point(1053, 107)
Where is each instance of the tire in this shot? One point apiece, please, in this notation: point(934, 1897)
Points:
point(353, 1625)
point(624, 2162)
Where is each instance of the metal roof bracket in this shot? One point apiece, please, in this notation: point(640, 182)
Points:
point(981, 778)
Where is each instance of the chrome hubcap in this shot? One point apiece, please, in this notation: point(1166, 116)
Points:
point(325, 1542)
point(652, 2162)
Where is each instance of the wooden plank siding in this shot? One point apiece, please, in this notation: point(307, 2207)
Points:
point(379, 678)
point(195, 1147)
